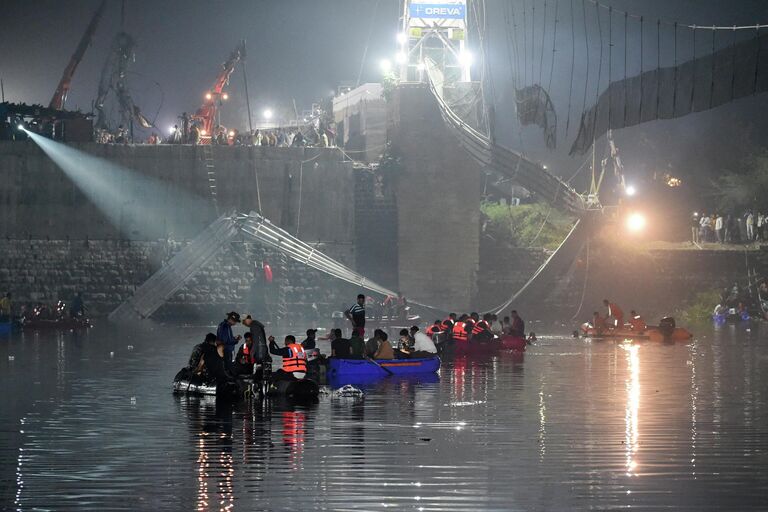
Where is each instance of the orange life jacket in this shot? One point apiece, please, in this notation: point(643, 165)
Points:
point(637, 323)
point(480, 326)
point(249, 357)
point(459, 333)
point(297, 362)
point(433, 329)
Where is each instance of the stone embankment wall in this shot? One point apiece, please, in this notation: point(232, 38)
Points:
point(108, 271)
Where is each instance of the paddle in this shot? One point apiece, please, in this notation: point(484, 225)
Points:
point(377, 364)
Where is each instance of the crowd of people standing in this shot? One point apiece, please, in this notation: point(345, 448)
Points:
point(733, 229)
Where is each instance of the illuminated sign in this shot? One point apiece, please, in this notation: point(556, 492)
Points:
point(438, 11)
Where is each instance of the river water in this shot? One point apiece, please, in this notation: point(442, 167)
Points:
point(88, 422)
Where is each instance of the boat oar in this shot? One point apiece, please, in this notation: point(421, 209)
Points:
point(377, 364)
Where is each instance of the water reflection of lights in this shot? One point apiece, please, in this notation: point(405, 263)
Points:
point(631, 432)
point(293, 436)
point(542, 423)
point(694, 406)
point(225, 479)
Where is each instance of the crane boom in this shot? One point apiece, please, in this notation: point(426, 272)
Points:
point(206, 114)
point(60, 96)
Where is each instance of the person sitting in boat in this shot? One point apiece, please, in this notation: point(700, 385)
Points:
point(310, 342)
point(636, 322)
point(246, 356)
point(77, 308)
point(357, 345)
point(506, 326)
point(403, 348)
point(435, 328)
point(482, 329)
point(517, 327)
point(294, 359)
point(614, 313)
point(194, 366)
point(422, 344)
point(471, 322)
point(215, 368)
point(385, 350)
point(372, 345)
point(340, 346)
point(448, 322)
point(459, 332)
point(496, 326)
point(598, 322)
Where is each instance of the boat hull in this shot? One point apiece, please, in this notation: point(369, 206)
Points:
point(363, 367)
point(651, 333)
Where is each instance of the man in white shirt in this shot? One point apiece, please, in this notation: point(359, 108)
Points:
point(719, 228)
point(422, 344)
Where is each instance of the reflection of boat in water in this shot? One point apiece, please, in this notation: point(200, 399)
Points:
point(6, 327)
point(294, 390)
point(381, 367)
point(370, 380)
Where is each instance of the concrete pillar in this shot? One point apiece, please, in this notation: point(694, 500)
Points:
point(438, 190)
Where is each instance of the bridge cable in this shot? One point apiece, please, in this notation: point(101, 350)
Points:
point(573, 64)
point(554, 43)
point(586, 48)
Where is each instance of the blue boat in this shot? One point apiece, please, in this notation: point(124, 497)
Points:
point(6, 327)
point(381, 367)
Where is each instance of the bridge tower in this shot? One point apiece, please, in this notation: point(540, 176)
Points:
point(437, 30)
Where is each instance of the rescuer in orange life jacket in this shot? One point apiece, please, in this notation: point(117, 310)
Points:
point(434, 328)
point(636, 322)
point(294, 359)
point(459, 331)
point(448, 322)
point(246, 356)
point(615, 312)
point(482, 328)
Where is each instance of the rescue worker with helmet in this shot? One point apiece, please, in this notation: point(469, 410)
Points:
point(294, 359)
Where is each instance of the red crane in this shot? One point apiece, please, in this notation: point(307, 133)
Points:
point(206, 114)
point(60, 96)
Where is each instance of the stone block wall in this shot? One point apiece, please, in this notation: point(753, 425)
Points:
point(108, 271)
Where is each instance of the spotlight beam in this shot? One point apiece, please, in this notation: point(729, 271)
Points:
point(135, 204)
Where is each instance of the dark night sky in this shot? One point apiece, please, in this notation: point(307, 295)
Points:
point(303, 48)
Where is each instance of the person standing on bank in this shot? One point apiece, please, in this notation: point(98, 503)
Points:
point(356, 313)
point(224, 333)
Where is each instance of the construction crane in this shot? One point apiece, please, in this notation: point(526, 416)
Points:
point(60, 96)
point(114, 78)
point(206, 114)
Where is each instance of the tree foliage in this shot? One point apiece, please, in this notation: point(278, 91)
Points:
point(528, 225)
